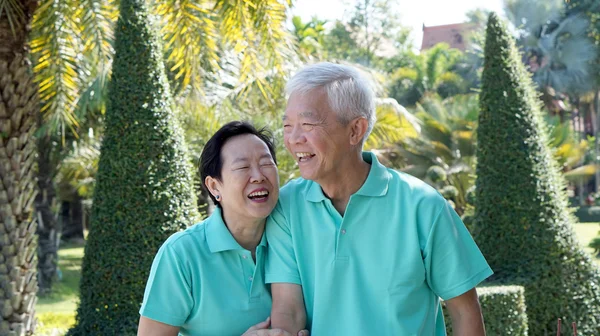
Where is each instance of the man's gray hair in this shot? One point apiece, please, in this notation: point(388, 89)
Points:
point(348, 92)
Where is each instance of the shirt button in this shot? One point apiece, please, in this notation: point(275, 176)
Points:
point(343, 231)
point(245, 256)
point(250, 278)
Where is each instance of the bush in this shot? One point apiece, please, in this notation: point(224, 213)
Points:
point(503, 309)
point(522, 221)
point(144, 191)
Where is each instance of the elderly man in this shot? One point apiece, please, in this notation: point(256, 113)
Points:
point(356, 248)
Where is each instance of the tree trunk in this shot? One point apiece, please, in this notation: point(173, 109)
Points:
point(48, 229)
point(596, 140)
point(19, 106)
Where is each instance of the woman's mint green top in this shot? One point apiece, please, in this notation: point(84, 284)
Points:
point(204, 282)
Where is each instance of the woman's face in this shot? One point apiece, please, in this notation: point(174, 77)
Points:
point(249, 186)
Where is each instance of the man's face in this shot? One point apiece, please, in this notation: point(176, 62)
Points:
point(314, 136)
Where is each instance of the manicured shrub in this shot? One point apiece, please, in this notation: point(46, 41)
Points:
point(503, 309)
point(522, 223)
point(144, 190)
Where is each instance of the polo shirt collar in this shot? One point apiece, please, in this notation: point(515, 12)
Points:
point(219, 238)
point(375, 185)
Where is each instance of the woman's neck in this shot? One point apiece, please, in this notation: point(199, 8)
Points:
point(246, 231)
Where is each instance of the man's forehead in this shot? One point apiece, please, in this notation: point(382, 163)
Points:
point(308, 114)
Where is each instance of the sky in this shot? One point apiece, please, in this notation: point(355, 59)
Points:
point(413, 13)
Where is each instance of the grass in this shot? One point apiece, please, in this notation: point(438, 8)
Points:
point(56, 311)
point(586, 232)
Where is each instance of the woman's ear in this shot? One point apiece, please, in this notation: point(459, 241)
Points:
point(358, 130)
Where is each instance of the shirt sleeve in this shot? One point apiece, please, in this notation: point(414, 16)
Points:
point(168, 295)
point(281, 266)
point(453, 262)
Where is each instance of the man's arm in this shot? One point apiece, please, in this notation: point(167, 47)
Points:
point(149, 327)
point(466, 316)
point(288, 311)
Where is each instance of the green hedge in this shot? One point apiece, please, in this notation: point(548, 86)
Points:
point(522, 221)
point(503, 310)
point(144, 189)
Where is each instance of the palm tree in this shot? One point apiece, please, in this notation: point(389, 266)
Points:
point(18, 113)
point(447, 142)
point(430, 71)
point(561, 56)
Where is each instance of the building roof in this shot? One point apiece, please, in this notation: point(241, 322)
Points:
point(452, 34)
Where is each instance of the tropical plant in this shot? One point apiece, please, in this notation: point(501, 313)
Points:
point(310, 36)
point(522, 222)
point(19, 108)
point(429, 72)
point(446, 143)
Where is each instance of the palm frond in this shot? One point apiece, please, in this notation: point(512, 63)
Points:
point(56, 49)
point(256, 31)
point(189, 30)
point(96, 23)
point(14, 13)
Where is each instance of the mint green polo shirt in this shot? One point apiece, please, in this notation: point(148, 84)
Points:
point(204, 282)
point(382, 268)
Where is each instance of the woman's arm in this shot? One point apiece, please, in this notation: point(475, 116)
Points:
point(148, 327)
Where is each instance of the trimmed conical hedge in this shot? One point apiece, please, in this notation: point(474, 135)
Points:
point(522, 223)
point(144, 190)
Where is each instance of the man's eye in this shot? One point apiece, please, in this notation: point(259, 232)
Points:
point(240, 168)
point(308, 126)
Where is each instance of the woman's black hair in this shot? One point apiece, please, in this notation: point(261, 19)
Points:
point(211, 160)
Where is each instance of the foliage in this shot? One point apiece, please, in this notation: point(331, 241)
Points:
point(372, 36)
point(144, 191)
point(446, 141)
point(556, 47)
point(503, 308)
point(310, 37)
point(77, 171)
point(427, 72)
point(522, 223)
point(595, 244)
point(591, 10)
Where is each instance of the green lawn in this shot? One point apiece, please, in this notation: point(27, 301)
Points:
point(56, 311)
point(585, 233)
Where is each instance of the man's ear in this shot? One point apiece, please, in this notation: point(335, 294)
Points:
point(213, 185)
point(358, 129)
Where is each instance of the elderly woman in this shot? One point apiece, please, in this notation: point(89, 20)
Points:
point(209, 279)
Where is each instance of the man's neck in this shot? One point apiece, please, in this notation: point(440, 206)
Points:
point(347, 180)
point(246, 231)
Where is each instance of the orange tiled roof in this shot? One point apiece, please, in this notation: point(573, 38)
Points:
point(453, 34)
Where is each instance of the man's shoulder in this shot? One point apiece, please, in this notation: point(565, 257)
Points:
point(405, 183)
point(294, 187)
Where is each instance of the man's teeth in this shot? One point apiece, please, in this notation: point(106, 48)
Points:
point(302, 155)
point(259, 193)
